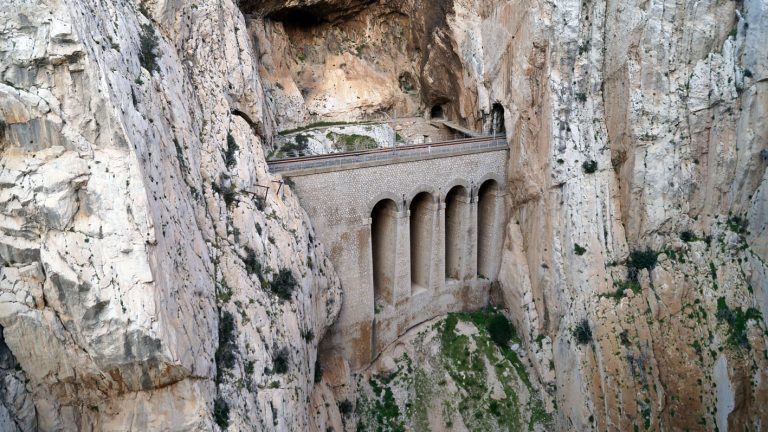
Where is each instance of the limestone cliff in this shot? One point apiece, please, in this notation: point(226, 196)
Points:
point(149, 279)
point(155, 277)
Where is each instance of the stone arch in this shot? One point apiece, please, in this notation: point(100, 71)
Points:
point(423, 210)
point(457, 222)
point(422, 188)
point(488, 227)
point(398, 200)
point(489, 176)
point(452, 184)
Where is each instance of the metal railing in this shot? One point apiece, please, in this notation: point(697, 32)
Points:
point(412, 152)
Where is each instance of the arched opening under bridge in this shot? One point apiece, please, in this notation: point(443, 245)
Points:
point(487, 228)
point(457, 209)
point(422, 231)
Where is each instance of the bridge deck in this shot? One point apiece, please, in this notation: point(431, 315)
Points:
point(353, 160)
point(457, 128)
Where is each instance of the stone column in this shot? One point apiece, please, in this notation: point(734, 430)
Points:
point(498, 235)
point(471, 262)
point(437, 275)
point(403, 257)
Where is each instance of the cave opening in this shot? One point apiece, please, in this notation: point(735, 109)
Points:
point(497, 119)
point(296, 18)
point(437, 112)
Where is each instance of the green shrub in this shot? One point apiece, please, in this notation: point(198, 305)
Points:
point(225, 353)
point(582, 332)
point(252, 264)
point(283, 284)
point(687, 236)
point(500, 330)
point(737, 224)
point(621, 289)
point(737, 320)
point(299, 147)
point(221, 412)
point(645, 259)
point(579, 249)
point(351, 142)
point(228, 194)
point(345, 407)
point(147, 46)
point(589, 167)
point(581, 97)
point(232, 147)
point(318, 371)
point(280, 361)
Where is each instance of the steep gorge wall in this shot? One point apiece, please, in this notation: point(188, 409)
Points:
point(665, 97)
point(135, 268)
point(126, 236)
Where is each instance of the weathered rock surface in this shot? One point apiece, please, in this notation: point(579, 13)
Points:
point(128, 234)
point(136, 267)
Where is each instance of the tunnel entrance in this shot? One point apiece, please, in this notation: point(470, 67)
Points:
point(436, 112)
point(383, 242)
point(486, 228)
point(456, 230)
point(497, 119)
point(422, 228)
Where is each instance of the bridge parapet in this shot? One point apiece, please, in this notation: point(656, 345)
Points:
point(398, 154)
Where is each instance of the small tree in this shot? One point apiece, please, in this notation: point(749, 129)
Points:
point(500, 330)
point(589, 167)
point(147, 46)
point(582, 332)
point(280, 361)
point(284, 284)
point(221, 412)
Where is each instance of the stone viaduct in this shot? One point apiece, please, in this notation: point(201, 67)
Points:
point(414, 232)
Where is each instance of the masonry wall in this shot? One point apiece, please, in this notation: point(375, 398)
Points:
point(339, 204)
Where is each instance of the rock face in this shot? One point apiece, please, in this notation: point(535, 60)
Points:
point(150, 281)
point(138, 271)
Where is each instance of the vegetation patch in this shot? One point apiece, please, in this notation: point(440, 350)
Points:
point(225, 353)
point(500, 330)
point(737, 320)
point(352, 142)
point(232, 148)
point(589, 167)
point(622, 287)
point(319, 125)
point(298, 147)
point(406, 398)
point(579, 249)
point(147, 48)
point(280, 361)
point(641, 259)
point(228, 193)
point(582, 332)
point(283, 284)
point(221, 412)
point(251, 262)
